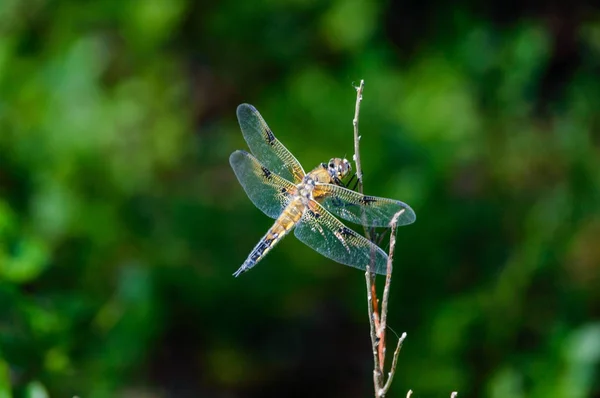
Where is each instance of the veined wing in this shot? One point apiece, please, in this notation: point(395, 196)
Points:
point(268, 191)
point(329, 237)
point(266, 147)
point(362, 209)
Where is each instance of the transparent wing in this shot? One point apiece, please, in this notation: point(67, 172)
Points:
point(350, 205)
point(329, 237)
point(268, 191)
point(266, 147)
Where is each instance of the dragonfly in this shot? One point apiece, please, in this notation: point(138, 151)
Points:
point(306, 203)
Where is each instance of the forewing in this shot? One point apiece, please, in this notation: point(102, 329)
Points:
point(266, 147)
point(362, 209)
point(328, 236)
point(268, 191)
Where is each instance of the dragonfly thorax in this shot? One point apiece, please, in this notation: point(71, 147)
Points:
point(305, 188)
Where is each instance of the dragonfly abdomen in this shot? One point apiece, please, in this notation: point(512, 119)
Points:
point(281, 227)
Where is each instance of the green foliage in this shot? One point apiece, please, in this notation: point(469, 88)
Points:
point(121, 221)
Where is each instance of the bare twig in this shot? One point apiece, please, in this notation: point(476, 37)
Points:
point(382, 390)
point(356, 157)
point(392, 371)
point(377, 319)
point(372, 301)
point(359, 92)
point(386, 295)
point(377, 372)
point(371, 286)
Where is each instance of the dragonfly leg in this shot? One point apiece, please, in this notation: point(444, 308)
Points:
point(352, 179)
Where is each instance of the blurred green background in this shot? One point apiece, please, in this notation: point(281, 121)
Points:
point(121, 221)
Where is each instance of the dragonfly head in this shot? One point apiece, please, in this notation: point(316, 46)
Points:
point(338, 168)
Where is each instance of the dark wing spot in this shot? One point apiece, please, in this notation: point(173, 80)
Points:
point(266, 172)
point(313, 214)
point(270, 136)
point(367, 200)
point(337, 201)
point(346, 231)
point(283, 190)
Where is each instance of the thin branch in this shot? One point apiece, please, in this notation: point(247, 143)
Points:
point(386, 291)
point(388, 383)
point(377, 320)
point(359, 175)
point(384, 310)
point(372, 301)
point(377, 372)
point(356, 157)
